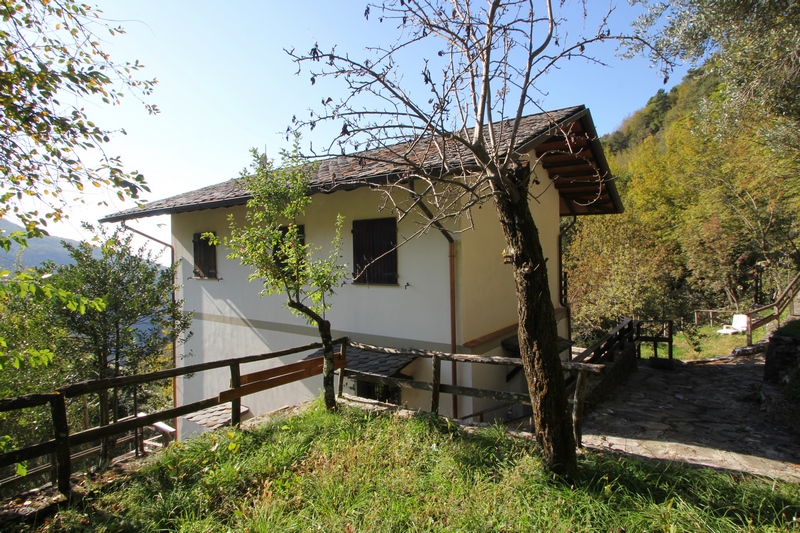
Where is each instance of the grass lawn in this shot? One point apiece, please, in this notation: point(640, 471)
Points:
point(701, 343)
point(356, 471)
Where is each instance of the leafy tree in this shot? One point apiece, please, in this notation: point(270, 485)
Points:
point(26, 324)
point(479, 65)
point(141, 318)
point(32, 285)
point(270, 242)
point(721, 201)
point(616, 271)
point(50, 150)
point(52, 55)
point(752, 45)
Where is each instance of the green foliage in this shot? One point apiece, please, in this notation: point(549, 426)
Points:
point(715, 203)
point(29, 286)
point(271, 243)
point(51, 56)
point(124, 323)
point(140, 317)
point(365, 471)
point(615, 271)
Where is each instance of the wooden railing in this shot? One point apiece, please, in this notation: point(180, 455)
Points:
point(655, 331)
point(436, 387)
point(604, 349)
point(64, 441)
point(757, 318)
point(242, 385)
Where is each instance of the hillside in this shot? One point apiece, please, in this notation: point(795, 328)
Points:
point(712, 213)
point(358, 470)
point(37, 251)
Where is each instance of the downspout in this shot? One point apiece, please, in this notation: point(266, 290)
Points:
point(174, 344)
point(451, 245)
point(453, 370)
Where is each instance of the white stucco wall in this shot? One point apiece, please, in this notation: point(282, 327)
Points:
point(486, 284)
point(232, 320)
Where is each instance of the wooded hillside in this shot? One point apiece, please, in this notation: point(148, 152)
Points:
point(712, 200)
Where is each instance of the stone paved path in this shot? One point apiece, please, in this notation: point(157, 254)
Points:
point(715, 413)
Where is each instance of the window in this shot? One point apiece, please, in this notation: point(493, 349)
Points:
point(375, 251)
point(376, 391)
point(205, 258)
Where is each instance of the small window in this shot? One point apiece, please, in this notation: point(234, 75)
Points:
point(375, 251)
point(376, 391)
point(205, 257)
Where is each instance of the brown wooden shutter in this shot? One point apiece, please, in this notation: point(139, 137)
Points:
point(374, 251)
point(205, 257)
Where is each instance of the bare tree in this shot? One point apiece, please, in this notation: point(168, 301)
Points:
point(449, 143)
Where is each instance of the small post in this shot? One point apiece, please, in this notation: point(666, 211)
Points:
point(137, 431)
point(437, 381)
point(577, 408)
point(669, 338)
point(53, 469)
point(236, 404)
point(58, 407)
point(341, 370)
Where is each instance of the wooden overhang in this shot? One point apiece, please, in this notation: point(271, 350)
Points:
point(573, 157)
point(564, 142)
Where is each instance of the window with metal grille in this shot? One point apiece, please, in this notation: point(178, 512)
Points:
point(375, 251)
point(205, 257)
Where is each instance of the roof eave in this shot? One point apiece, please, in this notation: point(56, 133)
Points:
point(144, 213)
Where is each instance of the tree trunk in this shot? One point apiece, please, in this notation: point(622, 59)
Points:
point(327, 366)
point(325, 336)
point(538, 335)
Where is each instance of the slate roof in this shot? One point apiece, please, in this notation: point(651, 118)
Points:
point(372, 362)
point(214, 417)
point(576, 176)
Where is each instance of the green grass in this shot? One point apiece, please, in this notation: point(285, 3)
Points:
point(359, 471)
point(701, 343)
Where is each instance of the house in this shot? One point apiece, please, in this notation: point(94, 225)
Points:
point(443, 290)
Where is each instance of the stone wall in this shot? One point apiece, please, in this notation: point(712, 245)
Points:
point(614, 375)
point(783, 354)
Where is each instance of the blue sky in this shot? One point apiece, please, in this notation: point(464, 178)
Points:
point(226, 85)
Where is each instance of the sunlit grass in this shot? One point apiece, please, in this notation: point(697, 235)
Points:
point(701, 343)
point(362, 471)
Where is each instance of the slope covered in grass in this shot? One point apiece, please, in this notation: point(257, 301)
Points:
point(365, 471)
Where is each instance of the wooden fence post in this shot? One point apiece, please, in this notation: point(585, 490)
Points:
point(437, 382)
point(58, 409)
point(577, 407)
point(236, 404)
point(341, 370)
point(669, 337)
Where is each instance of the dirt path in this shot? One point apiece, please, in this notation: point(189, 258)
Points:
point(716, 413)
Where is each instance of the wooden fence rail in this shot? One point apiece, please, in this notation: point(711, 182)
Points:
point(785, 299)
point(242, 385)
point(585, 363)
point(64, 441)
point(602, 349)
